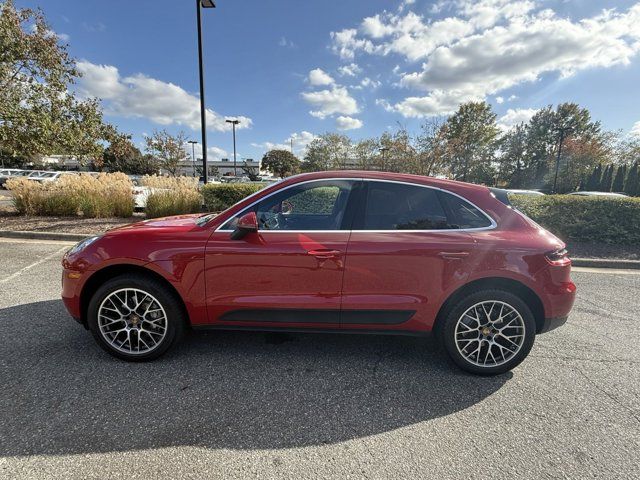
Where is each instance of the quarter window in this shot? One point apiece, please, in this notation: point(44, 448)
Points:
point(462, 214)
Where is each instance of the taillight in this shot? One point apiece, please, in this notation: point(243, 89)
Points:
point(558, 257)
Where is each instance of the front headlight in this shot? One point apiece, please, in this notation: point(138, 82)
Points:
point(83, 244)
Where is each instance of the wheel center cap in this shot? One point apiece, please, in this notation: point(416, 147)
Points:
point(486, 331)
point(134, 319)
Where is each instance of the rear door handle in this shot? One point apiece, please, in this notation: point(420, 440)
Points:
point(324, 253)
point(453, 255)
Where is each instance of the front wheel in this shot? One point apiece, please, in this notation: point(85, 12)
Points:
point(135, 318)
point(489, 332)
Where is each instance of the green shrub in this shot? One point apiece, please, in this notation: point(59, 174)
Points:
point(173, 202)
point(218, 197)
point(585, 219)
point(317, 200)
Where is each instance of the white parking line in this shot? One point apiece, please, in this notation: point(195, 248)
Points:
point(35, 264)
point(610, 271)
point(35, 240)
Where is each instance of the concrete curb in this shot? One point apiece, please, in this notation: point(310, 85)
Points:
point(605, 263)
point(76, 237)
point(70, 237)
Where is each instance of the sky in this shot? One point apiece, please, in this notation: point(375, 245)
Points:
point(293, 69)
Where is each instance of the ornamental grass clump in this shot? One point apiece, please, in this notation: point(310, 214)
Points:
point(107, 195)
point(172, 196)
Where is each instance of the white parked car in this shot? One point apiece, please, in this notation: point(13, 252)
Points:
point(141, 195)
point(517, 191)
point(599, 194)
point(46, 177)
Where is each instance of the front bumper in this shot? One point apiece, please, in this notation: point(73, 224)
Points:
point(553, 323)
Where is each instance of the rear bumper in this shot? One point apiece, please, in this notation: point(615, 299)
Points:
point(553, 323)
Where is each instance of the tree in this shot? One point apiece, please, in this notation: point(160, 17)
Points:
point(618, 181)
point(39, 114)
point(632, 185)
point(607, 179)
point(513, 146)
point(593, 184)
point(329, 151)
point(365, 153)
point(471, 138)
point(123, 156)
point(252, 172)
point(281, 163)
point(431, 147)
point(583, 146)
point(167, 149)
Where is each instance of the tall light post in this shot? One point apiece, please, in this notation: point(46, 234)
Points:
point(203, 121)
point(563, 130)
point(234, 123)
point(193, 155)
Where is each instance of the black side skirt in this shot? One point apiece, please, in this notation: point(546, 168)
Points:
point(344, 317)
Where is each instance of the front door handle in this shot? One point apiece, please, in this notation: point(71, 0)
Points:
point(325, 253)
point(453, 255)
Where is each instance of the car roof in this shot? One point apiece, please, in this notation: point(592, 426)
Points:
point(388, 176)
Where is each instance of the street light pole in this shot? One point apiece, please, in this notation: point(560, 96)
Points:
point(384, 150)
point(234, 123)
point(555, 179)
point(203, 120)
point(193, 155)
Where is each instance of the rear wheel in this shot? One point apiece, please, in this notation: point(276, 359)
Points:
point(135, 318)
point(489, 332)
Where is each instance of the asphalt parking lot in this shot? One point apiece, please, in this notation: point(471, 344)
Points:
point(249, 405)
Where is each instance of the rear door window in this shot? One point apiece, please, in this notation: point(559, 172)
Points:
point(400, 206)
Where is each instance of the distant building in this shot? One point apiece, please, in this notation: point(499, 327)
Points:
point(224, 166)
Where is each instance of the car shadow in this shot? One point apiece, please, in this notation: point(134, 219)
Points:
point(61, 394)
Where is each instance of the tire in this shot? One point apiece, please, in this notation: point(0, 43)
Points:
point(135, 334)
point(479, 342)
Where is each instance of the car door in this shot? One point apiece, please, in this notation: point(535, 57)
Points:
point(289, 273)
point(405, 254)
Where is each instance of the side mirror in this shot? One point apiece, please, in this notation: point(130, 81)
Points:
point(248, 223)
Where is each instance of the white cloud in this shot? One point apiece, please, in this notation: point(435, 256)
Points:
point(284, 42)
point(63, 37)
point(345, 43)
point(499, 100)
point(487, 46)
point(319, 77)
point(213, 153)
point(369, 83)
point(438, 102)
point(300, 143)
point(515, 117)
point(350, 70)
point(348, 123)
point(144, 97)
point(512, 98)
point(635, 130)
point(330, 102)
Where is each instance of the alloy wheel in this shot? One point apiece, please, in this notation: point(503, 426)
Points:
point(132, 321)
point(490, 333)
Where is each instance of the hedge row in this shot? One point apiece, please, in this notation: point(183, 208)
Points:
point(218, 197)
point(585, 219)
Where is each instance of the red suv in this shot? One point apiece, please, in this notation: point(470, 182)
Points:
point(331, 251)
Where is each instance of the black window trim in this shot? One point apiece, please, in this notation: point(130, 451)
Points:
point(360, 208)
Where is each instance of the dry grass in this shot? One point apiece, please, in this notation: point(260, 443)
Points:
point(172, 196)
point(108, 195)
